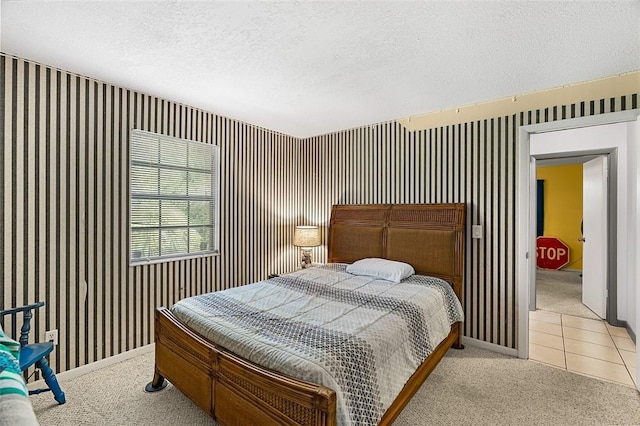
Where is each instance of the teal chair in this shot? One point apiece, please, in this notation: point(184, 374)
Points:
point(34, 353)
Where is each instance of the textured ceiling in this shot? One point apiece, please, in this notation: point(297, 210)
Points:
point(309, 68)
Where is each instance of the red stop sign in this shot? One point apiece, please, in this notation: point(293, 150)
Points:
point(551, 253)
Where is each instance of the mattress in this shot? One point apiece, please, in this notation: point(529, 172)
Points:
point(360, 336)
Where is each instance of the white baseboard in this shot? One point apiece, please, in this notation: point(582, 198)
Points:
point(88, 368)
point(489, 346)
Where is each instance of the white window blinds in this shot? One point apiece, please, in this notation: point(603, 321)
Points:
point(174, 197)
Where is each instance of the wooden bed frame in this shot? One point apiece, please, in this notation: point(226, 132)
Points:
point(235, 391)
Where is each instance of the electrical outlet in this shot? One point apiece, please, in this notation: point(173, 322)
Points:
point(51, 336)
point(476, 231)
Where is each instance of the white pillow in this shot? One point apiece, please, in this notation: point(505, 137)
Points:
point(389, 270)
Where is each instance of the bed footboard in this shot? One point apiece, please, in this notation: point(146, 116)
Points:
point(230, 389)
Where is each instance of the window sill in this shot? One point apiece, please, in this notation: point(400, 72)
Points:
point(140, 262)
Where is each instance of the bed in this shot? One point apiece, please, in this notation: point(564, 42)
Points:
point(236, 391)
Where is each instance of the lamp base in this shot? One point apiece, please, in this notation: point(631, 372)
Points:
point(306, 258)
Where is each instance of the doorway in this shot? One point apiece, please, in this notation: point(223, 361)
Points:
point(607, 134)
point(600, 291)
point(572, 192)
point(567, 329)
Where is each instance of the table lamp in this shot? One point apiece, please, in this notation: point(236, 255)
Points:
point(306, 237)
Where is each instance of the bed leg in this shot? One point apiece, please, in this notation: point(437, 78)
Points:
point(157, 384)
point(458, 343)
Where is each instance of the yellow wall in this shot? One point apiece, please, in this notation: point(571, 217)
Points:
point(563, 207)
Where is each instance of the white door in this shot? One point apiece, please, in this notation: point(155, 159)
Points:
point(594, 214)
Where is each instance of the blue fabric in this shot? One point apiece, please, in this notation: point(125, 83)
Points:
point(540, 209)
point(11, 381)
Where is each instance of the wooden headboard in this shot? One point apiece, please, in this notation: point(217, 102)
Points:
point(430, 237)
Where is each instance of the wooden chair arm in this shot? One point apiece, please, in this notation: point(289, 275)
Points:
point(14, 311)
point(26, 325)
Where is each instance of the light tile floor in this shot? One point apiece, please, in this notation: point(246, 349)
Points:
point(585, 346)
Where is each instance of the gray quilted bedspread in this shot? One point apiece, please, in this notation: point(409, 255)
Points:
point(360, 336)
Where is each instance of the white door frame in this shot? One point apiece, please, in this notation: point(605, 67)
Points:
point(525, 244)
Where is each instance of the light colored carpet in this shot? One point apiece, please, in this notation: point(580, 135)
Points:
point(561, 291)
point(468, 387)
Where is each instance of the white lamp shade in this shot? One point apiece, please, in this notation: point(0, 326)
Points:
point(306, 236)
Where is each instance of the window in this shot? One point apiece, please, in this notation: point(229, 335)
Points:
point(174, 197)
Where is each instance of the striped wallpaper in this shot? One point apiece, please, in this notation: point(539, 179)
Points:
point(64, 216)
point(64, 197)
point(472, 163)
